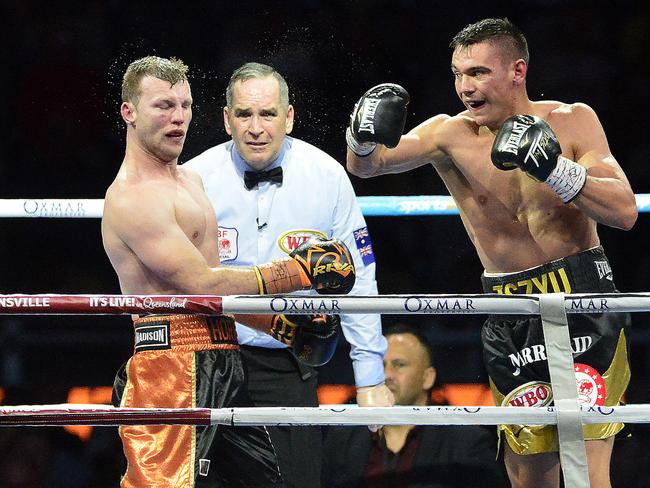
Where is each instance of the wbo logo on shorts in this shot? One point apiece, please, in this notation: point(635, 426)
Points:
point(592, 390)
point(531, 394)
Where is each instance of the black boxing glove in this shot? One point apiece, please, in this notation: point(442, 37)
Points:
point(312, 338)
point(378, 118)
point(528, 142)
point(327, 265)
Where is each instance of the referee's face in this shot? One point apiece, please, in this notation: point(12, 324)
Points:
point(257, 121)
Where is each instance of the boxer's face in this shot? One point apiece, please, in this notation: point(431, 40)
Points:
point(407, 370)
point(160, 117)
point(485, 82)
point(257, 122)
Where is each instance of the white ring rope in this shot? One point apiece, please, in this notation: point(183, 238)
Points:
point(21, 304)
point(74, 414)
point(372, 206)
point(451, 304)
point(567, 414)
point(553, 312)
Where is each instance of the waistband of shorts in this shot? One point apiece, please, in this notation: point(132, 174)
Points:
point(184, 333)
point(586, 271)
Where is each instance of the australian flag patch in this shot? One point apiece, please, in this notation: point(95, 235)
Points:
point(364, 245)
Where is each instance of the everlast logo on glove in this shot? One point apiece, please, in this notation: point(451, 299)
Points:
point(367, 114)
point(378, 118)
point(518, 130)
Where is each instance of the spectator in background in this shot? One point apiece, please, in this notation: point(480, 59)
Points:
point(409, 455)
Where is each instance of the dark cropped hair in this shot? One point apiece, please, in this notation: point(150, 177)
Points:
point(497, 30)
point(402, 328)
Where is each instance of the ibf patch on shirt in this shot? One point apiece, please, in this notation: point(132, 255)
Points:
point(152, 335)
point(291, 239)
point(364, 245)
point(228, 240)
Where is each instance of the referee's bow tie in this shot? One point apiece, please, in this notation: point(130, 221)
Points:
point(252, 178)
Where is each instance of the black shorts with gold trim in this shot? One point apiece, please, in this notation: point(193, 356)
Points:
point(515, 355)
point(189, 361)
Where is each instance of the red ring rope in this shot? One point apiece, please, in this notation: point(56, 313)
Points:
point(110, 304)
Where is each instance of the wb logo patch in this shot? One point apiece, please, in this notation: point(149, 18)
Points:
point(152, 336)
point(604, 270)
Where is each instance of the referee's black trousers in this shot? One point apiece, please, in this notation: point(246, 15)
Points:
point(276, 379)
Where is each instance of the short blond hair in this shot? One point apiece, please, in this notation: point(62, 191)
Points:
point(172, 70)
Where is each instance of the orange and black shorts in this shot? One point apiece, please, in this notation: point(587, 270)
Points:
point(189, 361)
point(515, 355)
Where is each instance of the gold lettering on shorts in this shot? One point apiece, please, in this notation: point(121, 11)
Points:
point(565, 280)
point(541, 285)
point(545, 283)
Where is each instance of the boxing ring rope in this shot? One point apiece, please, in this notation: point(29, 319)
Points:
point(47, 304)
point(80, 304)
point(553, 308)
point(372, 206)
point(75, 414)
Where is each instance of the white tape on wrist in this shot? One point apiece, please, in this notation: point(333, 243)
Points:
point(361, 149)
point(567, 179)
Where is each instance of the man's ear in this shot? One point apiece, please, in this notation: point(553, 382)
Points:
point(288, 126)
point(226, 122)
point(519, 71)
point(127, 109)
point(429, 378)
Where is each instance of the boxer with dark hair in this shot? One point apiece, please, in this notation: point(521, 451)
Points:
point(532, 180)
